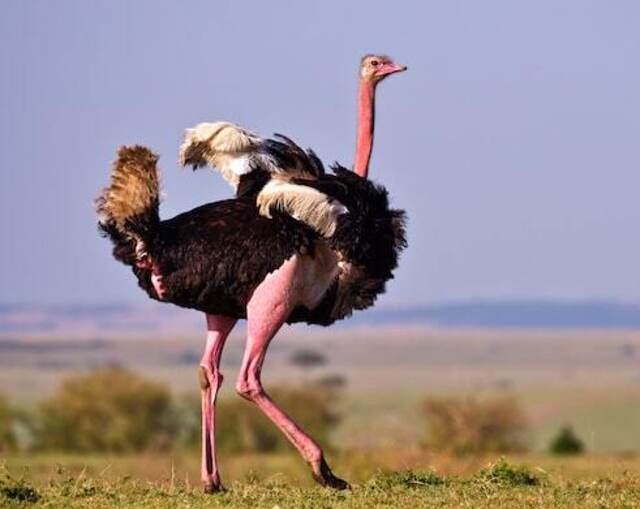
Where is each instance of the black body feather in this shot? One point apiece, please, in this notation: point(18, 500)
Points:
point(213, 257)
point(370, 237)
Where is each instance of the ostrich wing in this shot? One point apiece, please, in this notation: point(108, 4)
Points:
point(222, 145)
point(235, 151)
point(285, 177)
point(302, 202)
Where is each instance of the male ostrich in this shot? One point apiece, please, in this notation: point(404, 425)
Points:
point(296, 245)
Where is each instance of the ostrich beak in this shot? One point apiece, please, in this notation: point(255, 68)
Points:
point(392, 68)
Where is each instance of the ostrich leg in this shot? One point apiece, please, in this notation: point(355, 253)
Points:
point(218, 328)
point(269, 307)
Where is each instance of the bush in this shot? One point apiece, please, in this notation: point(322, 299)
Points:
point(308, 359)
point(566, 442)
point(7, 427)
point(241, 427)
point(507, 474)
point(106, 410)
point(470, 426)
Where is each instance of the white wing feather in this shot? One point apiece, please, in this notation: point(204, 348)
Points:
point(222, 145)
point(304, 203)
point(234, 151)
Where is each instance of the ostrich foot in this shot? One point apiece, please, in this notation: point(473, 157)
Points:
point(324, 476)
point(212, 487)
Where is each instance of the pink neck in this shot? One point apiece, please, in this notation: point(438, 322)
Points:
point(366, 114)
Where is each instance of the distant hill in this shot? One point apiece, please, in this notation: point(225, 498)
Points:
point(85, 319)
point(524, 314)
point(95, 319)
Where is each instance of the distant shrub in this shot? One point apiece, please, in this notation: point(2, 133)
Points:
point(241, 427)
point(566, 442)
point(7, 427)
point(332, 382)
point(106, 410)
point(507, 474)
point(471, 426)
point(308, 359)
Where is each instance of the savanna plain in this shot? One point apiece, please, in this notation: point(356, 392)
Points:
point(503, 397)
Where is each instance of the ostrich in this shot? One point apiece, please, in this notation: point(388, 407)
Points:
point(268, 256)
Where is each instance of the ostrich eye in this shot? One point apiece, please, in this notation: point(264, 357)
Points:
point(375, 63)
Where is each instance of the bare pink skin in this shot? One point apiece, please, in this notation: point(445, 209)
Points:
point(158, 285)
point(269, 306)
point(366, 115)
point(156, 276)
point(218, 329)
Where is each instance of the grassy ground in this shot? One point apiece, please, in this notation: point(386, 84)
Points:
point(586, 379)
point(382, 479)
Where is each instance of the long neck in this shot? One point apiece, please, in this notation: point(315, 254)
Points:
point(366, 114)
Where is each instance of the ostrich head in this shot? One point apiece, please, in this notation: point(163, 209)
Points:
point(374, 68)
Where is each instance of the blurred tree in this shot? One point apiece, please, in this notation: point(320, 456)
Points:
point(471, 426)
point(332, 382)
point(627, 349)
point(7, 427)
point(308, 359)
point(566, 442)
point(106, 410)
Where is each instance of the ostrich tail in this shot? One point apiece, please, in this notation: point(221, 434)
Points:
point(128, 208)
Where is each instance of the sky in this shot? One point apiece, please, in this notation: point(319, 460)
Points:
point(512, 141)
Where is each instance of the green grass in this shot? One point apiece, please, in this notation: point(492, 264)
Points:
point(408, 490)
point(282, 481)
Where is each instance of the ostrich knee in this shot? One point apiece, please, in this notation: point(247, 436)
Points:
point(249, 386)
point(210, 377)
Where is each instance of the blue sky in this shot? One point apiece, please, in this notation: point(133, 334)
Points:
point(512, 142)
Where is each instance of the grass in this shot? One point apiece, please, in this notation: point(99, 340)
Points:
point(281, 481)
point(597, 396)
